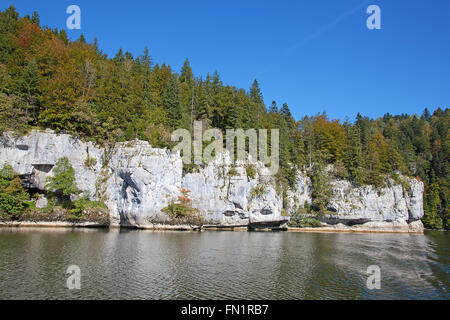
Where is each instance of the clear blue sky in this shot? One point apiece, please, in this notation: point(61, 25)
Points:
point(316, 55)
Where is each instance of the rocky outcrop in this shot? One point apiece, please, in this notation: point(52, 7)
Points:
point(226, 195)
point(137, 181)
point(356, 205)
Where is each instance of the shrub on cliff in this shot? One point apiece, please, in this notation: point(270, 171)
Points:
point(182, 211)
point(13, 198)
point(302, 220)
point(63, 180)
point(177, 210)
point(86, 209)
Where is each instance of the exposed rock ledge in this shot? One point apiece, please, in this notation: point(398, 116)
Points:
point(136, 181)
point(52, 224)
point(369, 227)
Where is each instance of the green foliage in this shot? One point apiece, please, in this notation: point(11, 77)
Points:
point(251, 171)
point(90, 162)
point(13, 198)
point(177, 210)
point(182, 211)
point(171, 102)
point(232, 172)
point(302, 220)
point(258, 191)
point(321, 188)
point(6, 175)
point(63, 180)
point(431, 219)
point(81, 204)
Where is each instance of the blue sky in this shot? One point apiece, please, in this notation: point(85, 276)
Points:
point(316, 55)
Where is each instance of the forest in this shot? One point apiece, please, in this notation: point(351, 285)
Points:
point(49, 81)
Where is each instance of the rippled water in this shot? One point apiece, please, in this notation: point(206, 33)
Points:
point(130, 264)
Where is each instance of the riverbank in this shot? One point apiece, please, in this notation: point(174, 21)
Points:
point(415, 227)
point(51, 224)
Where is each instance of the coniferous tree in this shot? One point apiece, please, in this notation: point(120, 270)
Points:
point(187, 95)
point(29, 87)
point(431, 218)
point(273, 107)
point(35, 18)
point(171, 102)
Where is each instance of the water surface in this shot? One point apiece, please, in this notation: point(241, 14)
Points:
point(132, 264)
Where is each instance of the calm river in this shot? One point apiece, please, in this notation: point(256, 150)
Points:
point(132, 264)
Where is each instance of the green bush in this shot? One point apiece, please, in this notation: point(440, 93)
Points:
point(284, 213)
point(301, 220)
point(82, 204)
point(177, 210)
point(431, 218)
point(182, 212)
point(14, 200)
point(90, 162)
point(11, 206)
point(63, 180)
point(258, 191)
point(251, 171)
point(321, 187)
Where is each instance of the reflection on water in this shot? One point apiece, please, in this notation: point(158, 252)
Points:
point(130, 264)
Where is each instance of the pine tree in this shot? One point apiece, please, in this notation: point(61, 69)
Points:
point(273, 107)
point(186, 74)
point(171, 103)
point(119, 57)
point(320, 185)
point(353, 156)
point(426, 114)
point(431, 219)
point(29, 87)
point(82, 39)
point(63, 36)
point(187, 95)
point(35, 18)
point(63, 180)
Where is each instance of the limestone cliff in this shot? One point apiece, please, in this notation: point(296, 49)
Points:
point(351, 204)
point(136, 181)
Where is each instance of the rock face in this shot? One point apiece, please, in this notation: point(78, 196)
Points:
point(140, 181)
point(226, 195)
point(136, 181)
point(354, 205)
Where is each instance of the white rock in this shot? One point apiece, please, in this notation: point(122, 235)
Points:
point(364, 203)
point(42, 202)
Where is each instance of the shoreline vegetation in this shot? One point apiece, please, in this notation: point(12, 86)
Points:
point(50, 81)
